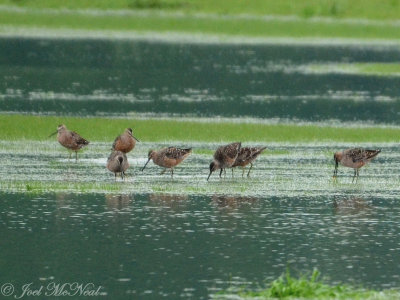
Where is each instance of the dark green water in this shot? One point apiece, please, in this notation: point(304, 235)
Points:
point(155, 246)
point(95, 77)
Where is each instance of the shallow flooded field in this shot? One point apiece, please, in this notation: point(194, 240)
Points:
point(151, 236)
point(290, 170)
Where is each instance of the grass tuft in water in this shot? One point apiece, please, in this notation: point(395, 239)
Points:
point(312, 287)
point(38, 187)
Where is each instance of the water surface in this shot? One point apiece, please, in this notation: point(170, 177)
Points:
point(140, 78)
point(157, 246)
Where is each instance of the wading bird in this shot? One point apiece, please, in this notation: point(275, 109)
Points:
point(353, 158)
point(70, 139)
point(125, 142)
point(168, 158)
point(224, 157)
point(118, 163)
point(246, 156)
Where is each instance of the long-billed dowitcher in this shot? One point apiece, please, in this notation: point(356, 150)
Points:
point(353, 158)
point(168, 158)
point(125, 142)
point(118, 163)
point(246, 156)
point(70, 139)
point(224, 157)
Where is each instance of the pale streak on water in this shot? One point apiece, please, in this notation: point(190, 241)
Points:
point(309, 83)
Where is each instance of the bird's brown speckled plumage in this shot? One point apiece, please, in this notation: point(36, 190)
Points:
point(354, 158)
point(168, 158)
point(118, 163)
point(70, 139)
point(246, 156)
point(224, 157)
point(125, 142)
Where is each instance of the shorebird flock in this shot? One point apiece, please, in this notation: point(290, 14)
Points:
point(227, 156)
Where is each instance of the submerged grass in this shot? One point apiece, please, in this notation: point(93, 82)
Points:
point(289, 287)
point(20, 127)
point(39, 187)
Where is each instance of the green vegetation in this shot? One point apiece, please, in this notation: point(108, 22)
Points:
point(39, 187)
point(18, 127)
point(371, 9)
point(288, 287)
point(380, 69)
point(212, 18)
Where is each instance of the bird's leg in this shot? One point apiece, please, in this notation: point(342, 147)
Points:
point(224, 173)
point(232, 172)
point(76, 155)
point(122, 175)
point(220, 173)
point(355, 173)
point(172, 172)
point(336, 169)
point(243, 172)
point(163, 171)
point(358, 174)
point(69, 155)
point(248, 174)
point(115, 176)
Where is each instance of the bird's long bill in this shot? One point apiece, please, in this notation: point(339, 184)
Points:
point(145, 164)
point(53, 134)
point(209, 175)
point(135, 139)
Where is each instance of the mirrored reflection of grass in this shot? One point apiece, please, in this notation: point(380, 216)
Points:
point(290, 287)
point(159, 130)
point(378, 69)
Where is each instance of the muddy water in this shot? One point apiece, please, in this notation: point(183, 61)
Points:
point(122, 78)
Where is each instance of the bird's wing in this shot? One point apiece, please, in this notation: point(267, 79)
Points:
point(115, 142)
point(78, 139)
point(176, 153)
point(231, 150)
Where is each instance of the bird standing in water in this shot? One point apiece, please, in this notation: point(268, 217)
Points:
point(125, 142)
point(118, 163)
point(224, 157)
point(353, 158)
point(70, 139)
point(168, 158)
point(246, 156)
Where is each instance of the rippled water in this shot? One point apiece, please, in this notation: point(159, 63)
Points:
point(176, 246)
point(120, 78)
point(185, 238)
